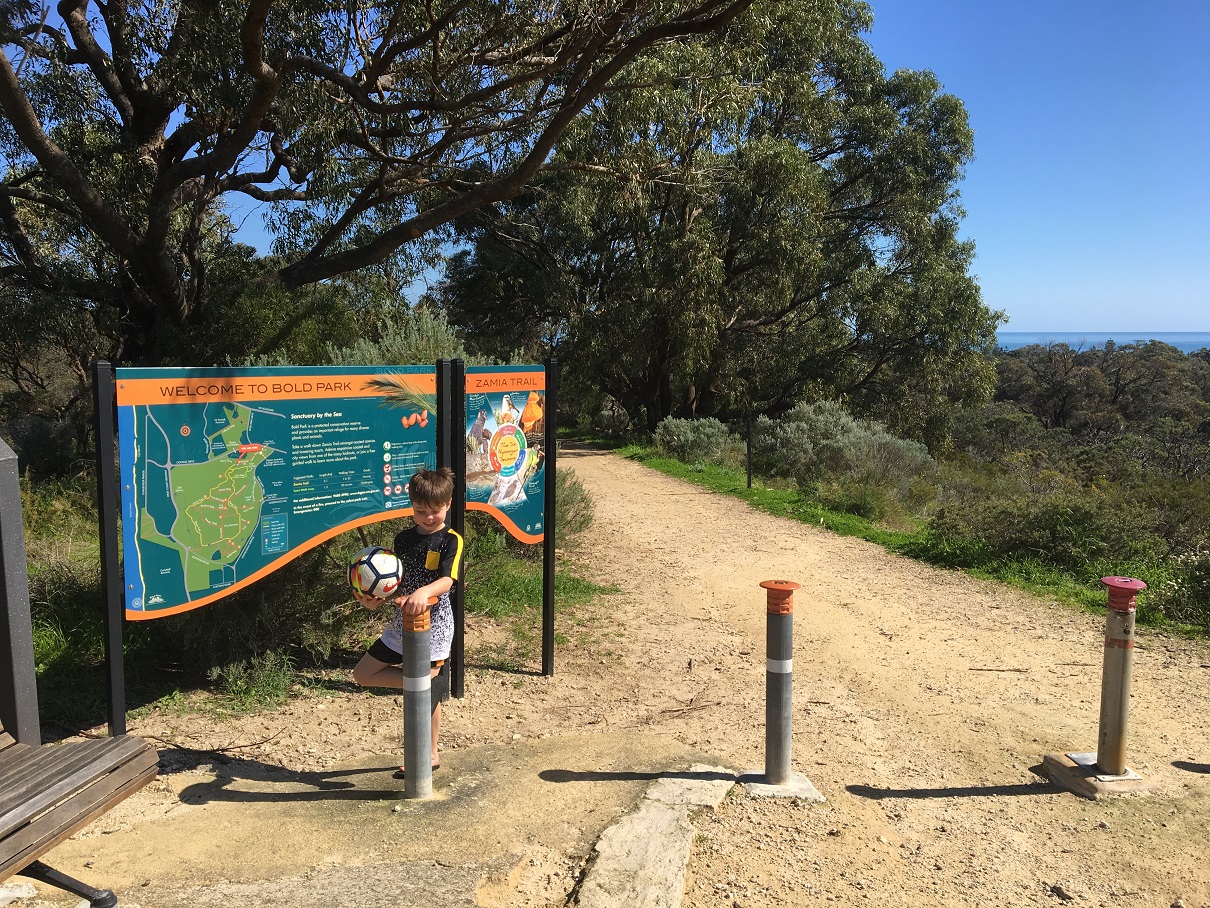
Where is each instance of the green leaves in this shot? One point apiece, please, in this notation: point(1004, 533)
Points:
point(746, 223)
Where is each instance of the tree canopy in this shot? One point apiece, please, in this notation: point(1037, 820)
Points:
point(771, 218)
point(130, 125)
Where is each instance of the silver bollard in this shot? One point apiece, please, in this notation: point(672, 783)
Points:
point(417, 707)
point(1116, 673)
point(779, 678)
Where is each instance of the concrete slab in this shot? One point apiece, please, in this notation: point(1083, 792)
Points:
point(1079, 774)
point(699, 786)
point(640, 861)
point(797, 786)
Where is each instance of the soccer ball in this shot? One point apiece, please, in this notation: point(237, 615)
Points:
point(375, 571)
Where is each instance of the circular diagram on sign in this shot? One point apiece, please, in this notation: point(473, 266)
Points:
point(507, 450)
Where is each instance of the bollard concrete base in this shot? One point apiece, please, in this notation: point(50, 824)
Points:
point(1079, 774)
point(797, 786)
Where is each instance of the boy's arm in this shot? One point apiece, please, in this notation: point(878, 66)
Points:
point(416, 602)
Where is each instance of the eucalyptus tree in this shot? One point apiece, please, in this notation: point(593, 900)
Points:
point(774, 218)
point(360, 127)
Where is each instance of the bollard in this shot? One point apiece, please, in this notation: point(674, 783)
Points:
point(1115, 675)
point(779, 677)
point(417, 707)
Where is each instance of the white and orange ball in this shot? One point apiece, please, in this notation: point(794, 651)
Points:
point(375, 571)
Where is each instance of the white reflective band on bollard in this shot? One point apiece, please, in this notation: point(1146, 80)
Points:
point(779, 666)
point(414, 684)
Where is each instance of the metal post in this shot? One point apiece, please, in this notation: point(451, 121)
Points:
point(779, 677)
point(549, 444)
point(18, 675)
point(749, 447)
point(457, 397)
point(447, 433)
point(417, 707)
point(111, 565)
point(1116, 672)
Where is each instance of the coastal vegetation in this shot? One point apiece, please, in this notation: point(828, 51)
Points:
point(1083, 464)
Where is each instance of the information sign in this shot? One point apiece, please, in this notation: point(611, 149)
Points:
point(226, 474)
point(505, 432)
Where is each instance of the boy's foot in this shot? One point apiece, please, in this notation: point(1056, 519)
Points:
point(401, 774)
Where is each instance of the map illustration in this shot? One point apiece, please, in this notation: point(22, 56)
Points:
point(228, 474)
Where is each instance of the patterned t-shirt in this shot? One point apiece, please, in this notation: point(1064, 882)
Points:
point(425, 559)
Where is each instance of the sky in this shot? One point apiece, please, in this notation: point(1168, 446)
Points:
point(1089, 196)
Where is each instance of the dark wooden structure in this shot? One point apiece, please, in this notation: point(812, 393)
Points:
point(48, 792)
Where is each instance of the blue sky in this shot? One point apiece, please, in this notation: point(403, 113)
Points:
point(1089, 196)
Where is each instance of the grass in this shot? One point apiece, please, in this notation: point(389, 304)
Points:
point(507, 587)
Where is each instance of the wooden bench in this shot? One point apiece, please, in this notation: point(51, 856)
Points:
point(51, 791)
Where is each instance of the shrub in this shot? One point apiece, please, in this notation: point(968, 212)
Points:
point(612, 420)
point(263, 680)
point(1185, 596)
point(44, 446)
point(574, 509)
point(1087, 532)
point(695, 441)
point(851, 465)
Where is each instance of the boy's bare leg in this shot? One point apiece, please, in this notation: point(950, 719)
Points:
point(369, 672)
point(436, 733)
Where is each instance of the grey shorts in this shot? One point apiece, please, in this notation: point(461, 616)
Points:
point(440, 690)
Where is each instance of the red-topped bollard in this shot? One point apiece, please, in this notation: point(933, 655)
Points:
point(779, 678)
point(417, 706)
point(1116, 673)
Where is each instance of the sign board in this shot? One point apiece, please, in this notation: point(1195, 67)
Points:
point(505, 460)
point(226, 474)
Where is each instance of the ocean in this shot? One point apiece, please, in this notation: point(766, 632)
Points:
point(1185, 341)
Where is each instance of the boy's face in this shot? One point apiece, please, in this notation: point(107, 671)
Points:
point(428, 517)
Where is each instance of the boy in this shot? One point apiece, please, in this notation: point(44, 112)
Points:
point(431, 555)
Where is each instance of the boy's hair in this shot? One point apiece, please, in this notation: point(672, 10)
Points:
point(431, 488)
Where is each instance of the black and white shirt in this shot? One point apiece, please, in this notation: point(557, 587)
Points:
point(427, 558)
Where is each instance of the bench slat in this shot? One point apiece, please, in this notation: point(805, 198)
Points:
point(74, 813)
point(26, 771)
point(57, 771)
point(6, 739)
point(11, 757)
point(26, 767)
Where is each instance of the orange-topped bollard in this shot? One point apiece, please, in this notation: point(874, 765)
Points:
point(417, 705)
point(779, 596)
point(779, 678)
point(1116, 673)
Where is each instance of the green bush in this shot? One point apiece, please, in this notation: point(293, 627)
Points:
point(696, 440)
point(1086, 532)
point(574, 509)
point(850, 465)
point(1185, 596)
point(263, 680)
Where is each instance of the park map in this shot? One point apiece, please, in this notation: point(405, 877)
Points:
point(231, 475)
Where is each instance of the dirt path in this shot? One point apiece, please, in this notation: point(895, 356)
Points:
point(922, 699)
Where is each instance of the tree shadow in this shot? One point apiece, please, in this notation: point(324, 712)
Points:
point(324, 785)
point(1203, 768)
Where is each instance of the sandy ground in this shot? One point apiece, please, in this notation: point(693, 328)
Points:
point(922, 698)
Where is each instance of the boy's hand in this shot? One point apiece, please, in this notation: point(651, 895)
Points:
point(368, 601)
point(415, 603)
